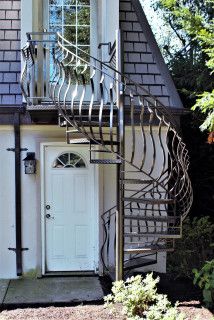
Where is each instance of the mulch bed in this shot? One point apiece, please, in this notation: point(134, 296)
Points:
point(57, 313)
point(90, 313)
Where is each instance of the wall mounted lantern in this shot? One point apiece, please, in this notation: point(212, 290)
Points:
point(30, 163)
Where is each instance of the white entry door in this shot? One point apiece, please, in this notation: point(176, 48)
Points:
point(70, 217)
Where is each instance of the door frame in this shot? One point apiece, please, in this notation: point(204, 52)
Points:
point(97, 195)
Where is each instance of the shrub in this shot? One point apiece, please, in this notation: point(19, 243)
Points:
point(205, 280)
point(140, 300)
point(195, 247)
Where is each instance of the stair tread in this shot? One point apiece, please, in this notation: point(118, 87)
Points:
point(136, 181)
point(138, 263)
point(105, 161)
point(160, 235)
point(100, 151)
point(167, 232)
point(72, 131)
point(85, 140)
point(107, 142)
point(152, 218)
point(94, 123)
point(147, 250)
point(78, 141)
point(149, 201)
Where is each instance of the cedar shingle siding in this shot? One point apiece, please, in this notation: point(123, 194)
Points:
point(139, 62)
point(10, 66)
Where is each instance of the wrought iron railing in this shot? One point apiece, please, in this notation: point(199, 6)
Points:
point(104, 106)
point(108, 249)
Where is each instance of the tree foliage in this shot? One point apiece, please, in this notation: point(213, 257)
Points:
point(193, 67)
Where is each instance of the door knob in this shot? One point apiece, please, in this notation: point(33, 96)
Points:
point(48, 216)
point(48, 207)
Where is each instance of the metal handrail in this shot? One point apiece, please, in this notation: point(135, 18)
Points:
point(122, 76)
point(169, 189)
point(155, 108)
point(126, 79)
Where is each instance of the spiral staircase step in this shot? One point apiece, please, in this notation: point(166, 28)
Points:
point(149, 201)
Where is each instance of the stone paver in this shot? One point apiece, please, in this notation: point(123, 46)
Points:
point(53, 290)
point(3, 289)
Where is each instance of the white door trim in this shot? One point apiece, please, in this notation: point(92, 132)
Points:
point(96, 202)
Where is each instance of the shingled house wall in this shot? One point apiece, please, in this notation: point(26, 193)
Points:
point(10, 65)
point(139, 62)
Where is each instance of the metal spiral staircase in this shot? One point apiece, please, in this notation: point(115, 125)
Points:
point(124, 125)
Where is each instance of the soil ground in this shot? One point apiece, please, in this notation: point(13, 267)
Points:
point(93, 312)
point(177, 290)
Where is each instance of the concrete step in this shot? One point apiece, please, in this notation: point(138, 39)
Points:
point(52, 291)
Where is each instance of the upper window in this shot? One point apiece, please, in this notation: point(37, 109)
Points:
point(69, 160)
point(72, 19)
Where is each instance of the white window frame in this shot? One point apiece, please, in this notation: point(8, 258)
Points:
point(93, 25)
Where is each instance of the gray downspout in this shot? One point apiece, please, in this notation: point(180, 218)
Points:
point(18, 194)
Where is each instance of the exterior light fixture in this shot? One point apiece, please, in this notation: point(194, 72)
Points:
point(30, 163)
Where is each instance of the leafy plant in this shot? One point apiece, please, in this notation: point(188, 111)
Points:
point(205, 103)
point(195, 247)
point(204, 278)
point(193, 24)
point(140, 300)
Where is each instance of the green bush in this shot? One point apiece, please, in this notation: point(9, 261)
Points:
point(194, 249)
point(204, 278)
point(139, 300)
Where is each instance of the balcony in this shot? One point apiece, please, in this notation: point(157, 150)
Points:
point(39, 74)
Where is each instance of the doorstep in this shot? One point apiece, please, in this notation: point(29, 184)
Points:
point(50, 291)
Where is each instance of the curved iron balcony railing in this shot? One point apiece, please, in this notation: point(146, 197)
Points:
point(106, 108)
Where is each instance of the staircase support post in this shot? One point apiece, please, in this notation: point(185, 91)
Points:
point(120, 167)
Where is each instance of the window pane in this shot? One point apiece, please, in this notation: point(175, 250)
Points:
point(53, 28)
point(69, 160)
point(83, 35)
point(71, 18)
point(57, 164)
point(70, 34)
point(73, 159)
point(82, 53)
point(80, 164)
point(69, 2)
point(85, 2)
point(56, 2)
point(64, 158)
point(83, 17)
point(55, 15)
point(70, 15)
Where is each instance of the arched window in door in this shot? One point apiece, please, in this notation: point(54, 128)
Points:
point(68, 160)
